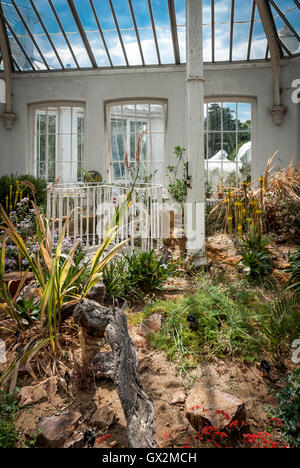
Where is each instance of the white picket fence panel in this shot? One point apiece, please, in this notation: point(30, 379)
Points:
point(91, 207)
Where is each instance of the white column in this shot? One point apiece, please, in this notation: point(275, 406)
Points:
point(195, 210)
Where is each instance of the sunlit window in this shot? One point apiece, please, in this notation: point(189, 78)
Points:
point(137, 127)
point(228, 142)
point(59, 142)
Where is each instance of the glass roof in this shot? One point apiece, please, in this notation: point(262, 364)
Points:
point(80, 34)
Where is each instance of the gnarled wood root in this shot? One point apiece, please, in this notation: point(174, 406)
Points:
point(138, 408)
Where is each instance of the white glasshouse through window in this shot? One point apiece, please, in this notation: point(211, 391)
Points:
point(136, 123)
point(228, 142)
point(59, 142)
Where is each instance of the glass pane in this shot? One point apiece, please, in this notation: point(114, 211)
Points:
point(244, 116)
point(72, 33)
point(214, 146)
point(118, 171)
point(163, 30)
point(229, 116)
point(259, 40)
point(214, 116)
point(222, 30)
point(229, 145)
point(229, 171)
point(207, 32)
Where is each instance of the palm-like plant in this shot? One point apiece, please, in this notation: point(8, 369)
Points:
point(294, 269)
point(51, 270)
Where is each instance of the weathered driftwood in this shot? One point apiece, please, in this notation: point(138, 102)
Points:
point(139, 412)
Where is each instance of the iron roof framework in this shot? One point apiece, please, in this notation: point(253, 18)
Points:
point(49, 35)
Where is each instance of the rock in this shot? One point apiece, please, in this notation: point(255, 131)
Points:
point(103, 365)
point(151, 324)
point(140, 341)
point(178, 397)
point(97, 293)
point(103, 417)
point(203, 407)
point(53, 432)
point(45, 390)
point(77, 442)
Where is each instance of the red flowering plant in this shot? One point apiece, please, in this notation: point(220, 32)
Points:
point(233, 435)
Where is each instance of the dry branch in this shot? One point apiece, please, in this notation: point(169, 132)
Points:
point(94, 320)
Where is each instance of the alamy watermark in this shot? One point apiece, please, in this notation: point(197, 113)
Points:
point(2, 352)
point(296, 353)
point(296, 93)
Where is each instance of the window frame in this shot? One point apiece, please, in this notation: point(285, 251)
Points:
point(123, 102)
point(40, 106)
point(210, 99)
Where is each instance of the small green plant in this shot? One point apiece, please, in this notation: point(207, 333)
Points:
point(288, 410)
point(133, 276)
point(257, 265)
point(178, 186)
point(256, 257)
point(281, 328)
point(224, 324)
point(295, 271)
point(8, 409)
point(115, 278)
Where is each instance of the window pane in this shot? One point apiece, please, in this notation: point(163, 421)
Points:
point(59, 143)
point(214, 116)
point(229, 145)
point(127, 123)
point(228, 148)
point(214, 145)
point(229, 116)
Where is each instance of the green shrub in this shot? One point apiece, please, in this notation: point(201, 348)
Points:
point(281, 328)
point(134, 276)
point(8, 408)
point(40, 186)
point(295, 271)
point(288, 410)
point(256, 257)
point(257, 265)
point(226, 325)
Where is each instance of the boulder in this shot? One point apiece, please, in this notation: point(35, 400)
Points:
point(45, 390)
point(76, 442)
point(53, 432)
point(178, 397)
point(103, 417)
point(140, 341)
point(150, 325)
point(206, 406)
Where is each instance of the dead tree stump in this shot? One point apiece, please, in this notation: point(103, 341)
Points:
point(138, 409)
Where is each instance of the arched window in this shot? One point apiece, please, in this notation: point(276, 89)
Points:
point(58, 141)
point(132, 123)
point(228, 140)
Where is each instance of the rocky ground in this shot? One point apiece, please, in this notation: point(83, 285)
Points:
point(57, 413)
point(60, 417)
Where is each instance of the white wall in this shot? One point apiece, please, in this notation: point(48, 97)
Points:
point(94, 89)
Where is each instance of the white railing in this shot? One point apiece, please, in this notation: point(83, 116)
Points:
point(91, 207)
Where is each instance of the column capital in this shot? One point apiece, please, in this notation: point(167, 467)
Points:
point(278, 113)
point(8, 119)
